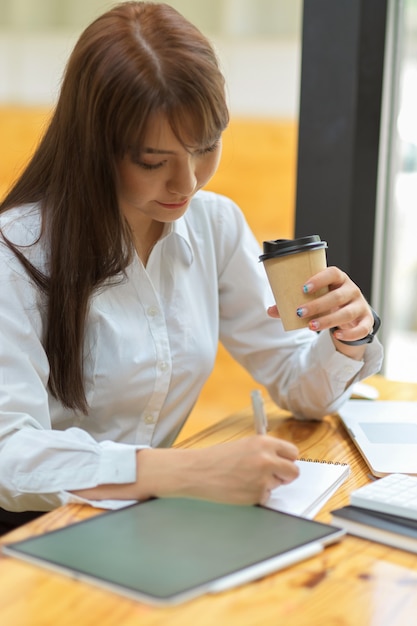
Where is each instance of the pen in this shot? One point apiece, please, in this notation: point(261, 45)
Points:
point(259, 412)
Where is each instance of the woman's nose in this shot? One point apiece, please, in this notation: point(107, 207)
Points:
point(183, 179)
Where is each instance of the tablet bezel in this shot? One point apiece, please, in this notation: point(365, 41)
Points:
point(101, 529)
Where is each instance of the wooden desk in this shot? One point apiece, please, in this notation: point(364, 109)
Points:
point(355, 582)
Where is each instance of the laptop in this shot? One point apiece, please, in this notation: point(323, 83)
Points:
point(385, 432)
point(166, 551)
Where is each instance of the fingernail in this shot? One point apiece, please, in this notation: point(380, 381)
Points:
point(307, 287)
point(314, 325)
point(301, 311)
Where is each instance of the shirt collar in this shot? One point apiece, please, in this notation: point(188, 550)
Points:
point(179, 231)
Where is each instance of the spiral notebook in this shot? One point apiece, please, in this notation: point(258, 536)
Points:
point(307, 494)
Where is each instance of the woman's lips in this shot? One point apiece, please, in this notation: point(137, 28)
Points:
point(174, 205)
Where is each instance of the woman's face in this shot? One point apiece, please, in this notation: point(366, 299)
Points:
point(158, 182)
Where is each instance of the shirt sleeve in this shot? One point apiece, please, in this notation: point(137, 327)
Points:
point(40, 465)
point(302, 370)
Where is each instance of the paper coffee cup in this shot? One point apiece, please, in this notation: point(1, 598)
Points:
point(289, 263)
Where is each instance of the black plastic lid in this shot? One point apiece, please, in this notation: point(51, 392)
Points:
point(282, 247)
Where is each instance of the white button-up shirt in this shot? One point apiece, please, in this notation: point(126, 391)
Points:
point(151, 342)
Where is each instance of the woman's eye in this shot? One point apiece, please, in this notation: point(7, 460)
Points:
point(137, 160)
point(149, 166)
point(212, 148)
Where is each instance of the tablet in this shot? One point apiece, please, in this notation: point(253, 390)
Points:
point(165, 551)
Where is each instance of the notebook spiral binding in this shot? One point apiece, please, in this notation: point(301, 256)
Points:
point(310, 460)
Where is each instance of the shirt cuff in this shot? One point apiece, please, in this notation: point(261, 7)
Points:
point(344, 369)
point(117, 463)
point(117, 466)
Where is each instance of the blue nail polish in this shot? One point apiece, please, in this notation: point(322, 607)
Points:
point(306, 287)
point(300, 312)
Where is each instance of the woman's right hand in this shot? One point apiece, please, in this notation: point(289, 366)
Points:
point(240, 472)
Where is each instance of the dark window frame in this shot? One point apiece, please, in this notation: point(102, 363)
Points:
point(342, 68)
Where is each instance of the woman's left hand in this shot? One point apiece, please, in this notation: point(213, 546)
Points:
point(344, 308)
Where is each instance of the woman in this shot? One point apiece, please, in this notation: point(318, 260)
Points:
point(118, 276)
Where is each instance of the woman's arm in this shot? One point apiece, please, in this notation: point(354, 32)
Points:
point(239, 472)
point(305, 372)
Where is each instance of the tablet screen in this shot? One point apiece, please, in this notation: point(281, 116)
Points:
point(165, 550)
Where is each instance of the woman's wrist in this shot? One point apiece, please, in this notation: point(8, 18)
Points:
point(365, 340)
point(159, 472)
point(166, 472)
point(353, 352)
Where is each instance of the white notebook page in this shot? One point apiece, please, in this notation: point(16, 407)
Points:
point(306, 495)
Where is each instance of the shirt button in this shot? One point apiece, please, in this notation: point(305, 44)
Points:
point(152, 311)
point(149, 419)
point(163, 365)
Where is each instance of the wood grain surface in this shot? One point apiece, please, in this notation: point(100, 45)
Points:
point(353, 583)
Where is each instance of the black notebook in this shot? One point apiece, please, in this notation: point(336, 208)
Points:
point(392, 530)
point(168, 550)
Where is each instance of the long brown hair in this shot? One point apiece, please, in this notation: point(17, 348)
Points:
point(138, 58)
